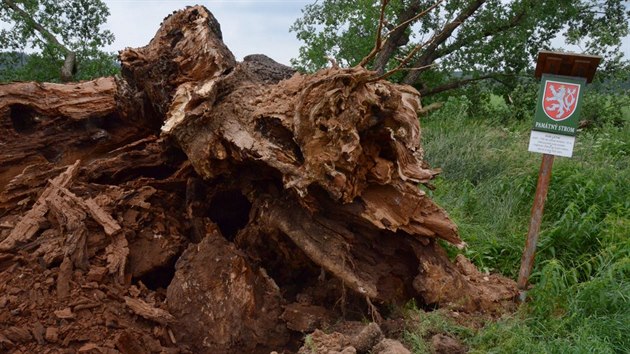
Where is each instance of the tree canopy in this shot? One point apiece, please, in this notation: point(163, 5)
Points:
point(62, 31)
point(477, 39)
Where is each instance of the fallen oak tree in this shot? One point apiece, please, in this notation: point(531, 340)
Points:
point(277, 194)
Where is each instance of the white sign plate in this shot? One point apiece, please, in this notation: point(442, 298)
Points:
point(552, 144)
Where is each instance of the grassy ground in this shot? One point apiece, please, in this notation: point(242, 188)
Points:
point(581, 299)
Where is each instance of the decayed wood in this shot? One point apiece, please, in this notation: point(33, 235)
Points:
point(264, 186)
point(58, 123)
point(196, 52)
point(232, 307)
point(71, 220)
point(29, 224)
point(76, 101)
point(297, 132)
point(26, 187)
point(325, 242)
point(148, 311)
point(63, 279)
point(117, 252)
point(110, 226)
point(71, 212)
point(338, 142)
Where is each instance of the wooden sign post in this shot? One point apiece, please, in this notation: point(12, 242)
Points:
point(563, 78)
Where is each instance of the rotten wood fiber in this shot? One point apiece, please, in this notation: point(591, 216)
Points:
point(255, 185)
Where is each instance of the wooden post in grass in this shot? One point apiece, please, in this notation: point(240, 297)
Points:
point(527, 261)
point(564, 77)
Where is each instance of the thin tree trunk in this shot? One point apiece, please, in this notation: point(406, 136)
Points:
point(68, 68)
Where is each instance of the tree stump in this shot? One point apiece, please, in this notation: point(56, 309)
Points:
point(282, 187)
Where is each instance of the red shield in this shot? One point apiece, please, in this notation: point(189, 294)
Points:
point(560, 99)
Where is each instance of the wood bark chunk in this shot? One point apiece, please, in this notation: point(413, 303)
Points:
point(52, 334)
point(367, 338)
point(39, 332)
point(63, 279)
point(64, 314)
point(129, 344)
point(320, 342)
point(364, 339)
point(6, 343)
point(96, 274)
point(71, 219)
point(221, 303)
point(18, 334)
point(148, 311)
point(305, 318)
point(25, 187)
point(29, 224)
point(98, 214)
point(7, 261)
point(117, 252)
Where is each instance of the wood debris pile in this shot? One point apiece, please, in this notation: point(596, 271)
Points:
point(200, 204)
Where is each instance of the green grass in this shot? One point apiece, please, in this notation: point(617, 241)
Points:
point(581, 297)
point(427, 324)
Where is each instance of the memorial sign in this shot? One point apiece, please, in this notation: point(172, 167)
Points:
point(563, 77)
point(557, 115)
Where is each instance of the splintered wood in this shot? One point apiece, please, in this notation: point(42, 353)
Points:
point(30, 222)
point(148, 311)
point(71, 213)
point(220, 206)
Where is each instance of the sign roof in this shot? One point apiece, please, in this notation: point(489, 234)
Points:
point(567, 64)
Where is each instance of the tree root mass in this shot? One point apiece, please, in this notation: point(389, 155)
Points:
point(202, 205)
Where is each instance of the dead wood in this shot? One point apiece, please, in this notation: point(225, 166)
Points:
point(248, 199)
point(110, 226)
point(57, 123)
point(75, 101)
point(30, 223)
point(148, 311)
point(228, 302)
point(63, 280)
point(152, 74)
point(71, 222)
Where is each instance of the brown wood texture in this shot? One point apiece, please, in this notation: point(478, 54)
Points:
point(226, 192)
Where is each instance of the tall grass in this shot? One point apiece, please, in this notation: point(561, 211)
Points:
point(580, 302)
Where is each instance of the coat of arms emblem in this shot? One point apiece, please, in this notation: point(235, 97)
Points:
point(560, 99)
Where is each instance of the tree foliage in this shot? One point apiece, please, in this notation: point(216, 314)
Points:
point(477, 38)
point(59, 31)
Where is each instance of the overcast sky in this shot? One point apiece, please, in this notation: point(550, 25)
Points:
point(248, 26)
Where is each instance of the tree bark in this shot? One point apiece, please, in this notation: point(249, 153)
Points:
point(428, 55)
point(397, 39)
point(69, 67)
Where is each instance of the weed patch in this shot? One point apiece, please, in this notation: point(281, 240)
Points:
point(580, 300)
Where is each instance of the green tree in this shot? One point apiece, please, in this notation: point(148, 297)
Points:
point(67, 34)
point(477, 39)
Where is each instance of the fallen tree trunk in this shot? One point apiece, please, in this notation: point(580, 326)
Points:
point(44, 123)
point(287, 191)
